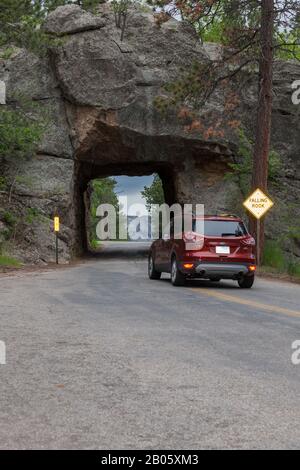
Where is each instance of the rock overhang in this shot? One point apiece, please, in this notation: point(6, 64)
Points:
point(94, 71)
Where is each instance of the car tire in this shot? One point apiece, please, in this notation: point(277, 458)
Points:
point(177, 277)
point(246, 282)
point(152, 272)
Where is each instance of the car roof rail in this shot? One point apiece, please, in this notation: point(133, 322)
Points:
point(224, 214)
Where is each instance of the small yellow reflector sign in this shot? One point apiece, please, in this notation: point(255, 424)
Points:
point(56, 224)
point(258, 203)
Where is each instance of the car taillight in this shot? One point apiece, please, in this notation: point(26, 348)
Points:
point(249, 241)
point(188, 265)
point(193, 241)
point(252, 268)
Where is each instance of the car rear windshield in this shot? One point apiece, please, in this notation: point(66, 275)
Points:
point(220, 228)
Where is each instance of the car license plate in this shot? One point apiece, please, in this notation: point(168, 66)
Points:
point(223, 250)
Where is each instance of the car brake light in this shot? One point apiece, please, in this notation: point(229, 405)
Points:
point(252, 268)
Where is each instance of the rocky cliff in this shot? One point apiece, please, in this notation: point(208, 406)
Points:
point(98, 93)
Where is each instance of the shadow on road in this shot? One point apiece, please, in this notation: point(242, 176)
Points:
point(204, 283)
point(216, 285)
point(122, 250)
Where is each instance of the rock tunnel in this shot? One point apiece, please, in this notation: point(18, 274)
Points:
point(190, 171)
point(108, 88)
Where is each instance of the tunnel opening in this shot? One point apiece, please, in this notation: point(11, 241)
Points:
point(130, 199)
point(92, 179)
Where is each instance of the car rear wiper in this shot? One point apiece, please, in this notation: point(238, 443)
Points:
point(236, 234)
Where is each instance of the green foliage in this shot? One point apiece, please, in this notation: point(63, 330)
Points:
point(230, 22)
point(10, 218)
point(192, 86)
point(22, 126)
point(214, 33)
point(236, 23)
point(21, 20)
point(94, 244)
point(293, 232)
point(294, 268)
point(291, 53)
point(11, 13)
point(50, 5)
point(288, 38)
point(3, 183)
point(90, 4)
point(101, 191)
point(8, 261)
point(20, 133)
point(5, 236)
point(32, 214)
point(273, 255)
point(275, 166)
point(120, 8)
point(7, 53)
point(154, 194)
point(242, 167)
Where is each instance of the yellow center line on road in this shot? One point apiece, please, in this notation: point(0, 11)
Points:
point(248, 302)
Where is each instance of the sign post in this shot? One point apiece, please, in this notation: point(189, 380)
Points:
point(56, 230)
point(2, 92)
point(258, 204)
point(258, 253)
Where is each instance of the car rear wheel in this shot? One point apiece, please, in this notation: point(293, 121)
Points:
point(246, 282)
point(153, 274)
point(177, 278)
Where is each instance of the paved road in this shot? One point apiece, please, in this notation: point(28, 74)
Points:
point(98, 356)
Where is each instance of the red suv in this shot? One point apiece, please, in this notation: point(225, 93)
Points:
point(218, 247)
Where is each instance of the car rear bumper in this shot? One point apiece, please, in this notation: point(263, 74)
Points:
point(219, 270)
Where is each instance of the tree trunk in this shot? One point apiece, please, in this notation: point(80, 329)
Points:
point(264, 112)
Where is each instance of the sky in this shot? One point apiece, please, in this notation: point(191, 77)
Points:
point(131, 186)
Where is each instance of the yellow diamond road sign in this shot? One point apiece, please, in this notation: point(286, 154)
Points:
point(258, 203)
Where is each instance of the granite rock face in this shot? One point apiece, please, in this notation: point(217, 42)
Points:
point(72, 20)
point(98, 93)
